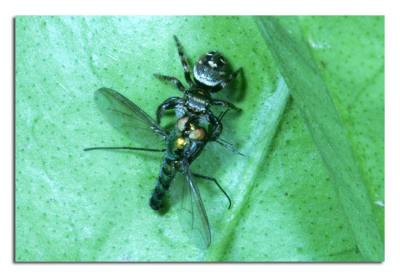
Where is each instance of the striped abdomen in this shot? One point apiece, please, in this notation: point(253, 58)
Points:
point(167, 174)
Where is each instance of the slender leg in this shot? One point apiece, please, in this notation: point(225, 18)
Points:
point(217, 130)
point(229, 146)
point(172, 80)
point(124, 148)
point(218, 185)
point(184, 61)
point(228, 80)
point(221, 115)
point(218, 102)
point(168, 104)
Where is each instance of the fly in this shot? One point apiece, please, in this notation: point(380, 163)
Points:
point(182, 145)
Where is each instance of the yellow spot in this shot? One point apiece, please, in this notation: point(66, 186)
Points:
point(180, 142)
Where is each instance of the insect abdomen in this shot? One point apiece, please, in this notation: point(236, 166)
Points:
point(167, 174)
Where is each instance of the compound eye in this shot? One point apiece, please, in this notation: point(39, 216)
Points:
point(197, 134)
point(181, 124)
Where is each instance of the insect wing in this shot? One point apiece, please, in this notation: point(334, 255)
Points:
point(190, 208)
point(200, 221)
point(128, 118)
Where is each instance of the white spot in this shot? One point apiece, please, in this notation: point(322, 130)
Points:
point(212, 64)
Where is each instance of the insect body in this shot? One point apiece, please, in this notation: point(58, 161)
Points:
point(184, 143)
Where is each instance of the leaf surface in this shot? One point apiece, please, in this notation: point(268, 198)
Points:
point(78, 206)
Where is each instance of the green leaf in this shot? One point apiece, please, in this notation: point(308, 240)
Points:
point(318, 110)
point(78, 206)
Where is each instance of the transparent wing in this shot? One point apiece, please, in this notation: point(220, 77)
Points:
point(128, 118)
point(190, 208)
point(200, 220)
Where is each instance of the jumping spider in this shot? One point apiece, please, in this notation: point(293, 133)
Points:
point(211, 74)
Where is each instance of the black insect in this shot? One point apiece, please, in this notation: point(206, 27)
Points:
point(211, 73)
point(183, 144)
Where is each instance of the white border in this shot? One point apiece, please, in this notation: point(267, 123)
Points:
point(8, 9)
point(197, 7)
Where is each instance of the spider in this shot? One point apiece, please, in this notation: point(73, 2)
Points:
point(211, 74)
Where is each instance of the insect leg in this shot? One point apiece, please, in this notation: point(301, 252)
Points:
point(217, 127)
point(168, 104)
point(172, 80)
point(222, 114)
point(229, 146)
point(184, 61)
point(218, 102)
point(124, 148)
point(218, 185)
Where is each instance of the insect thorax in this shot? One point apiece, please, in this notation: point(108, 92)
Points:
point(188, 137)
point(197, 100)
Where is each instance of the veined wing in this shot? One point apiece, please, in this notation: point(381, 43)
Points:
point(192, 205)
point(128, 118)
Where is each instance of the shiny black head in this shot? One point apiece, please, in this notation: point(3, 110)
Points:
point(211, 70)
